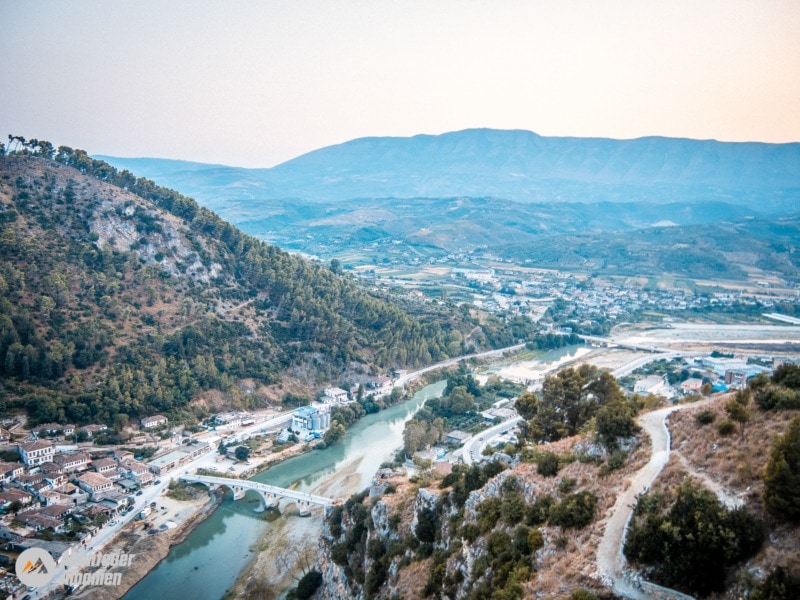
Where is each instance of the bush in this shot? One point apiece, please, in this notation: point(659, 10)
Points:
point(787, 375)
point(693, 545)
point(566, 485)
point(726, 427)
point(575, 511)
point(427, 526)
point(615, 461)
point(582, 595)
point(308, 585)
point(779, 585)
point(705, 417)
point(777, 398)
point(547, 464)
point(782, 478)
point(536, 513)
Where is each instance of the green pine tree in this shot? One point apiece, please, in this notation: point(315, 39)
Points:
point(782, 479)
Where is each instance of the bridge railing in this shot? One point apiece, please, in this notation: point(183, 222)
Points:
point(263, 487)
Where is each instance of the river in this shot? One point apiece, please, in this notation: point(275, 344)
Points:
point(206, 564)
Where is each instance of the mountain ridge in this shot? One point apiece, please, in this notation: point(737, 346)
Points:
point(518, 165)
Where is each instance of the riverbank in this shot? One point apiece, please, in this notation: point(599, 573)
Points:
point(178, 518)
point(291, 543)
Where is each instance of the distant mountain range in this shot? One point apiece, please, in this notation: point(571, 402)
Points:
point(512, 192)
point(514, 165)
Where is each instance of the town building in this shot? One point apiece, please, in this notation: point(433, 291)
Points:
point(381, 386)
point(136, 471)
point(177, 458)
point(72, 462)
point(94, 483)
point(92, 430)
point(457, 437)
point(652, 384)
point(310, 418)
point(10, 471)
point(154, 421)
point(693, 385)
point(332, 395)
point(36, 453)
point(107, 467)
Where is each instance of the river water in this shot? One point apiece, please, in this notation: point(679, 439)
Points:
point(209, 560)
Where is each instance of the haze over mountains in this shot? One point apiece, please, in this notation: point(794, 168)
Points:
point(515, 165)
point(551, 201)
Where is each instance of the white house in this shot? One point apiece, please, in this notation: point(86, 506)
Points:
point(107, 467)
point(652, 384)
point(36, 453)
point(137, 471)
point(336, 394)
point(154, 421)
point(382, 385)
point(9, 471)
point(72, 462)
point(94, 483)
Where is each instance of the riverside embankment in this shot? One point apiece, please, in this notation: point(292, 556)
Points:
point(206, 565)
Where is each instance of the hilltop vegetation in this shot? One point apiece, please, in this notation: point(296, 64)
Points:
point(121, 298)
point(531, 528)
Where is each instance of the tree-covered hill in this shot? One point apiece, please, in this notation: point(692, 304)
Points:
point(119, 297)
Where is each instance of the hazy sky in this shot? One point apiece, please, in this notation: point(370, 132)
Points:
point(256, 83)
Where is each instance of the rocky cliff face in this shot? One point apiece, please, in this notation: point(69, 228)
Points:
point(482, 531)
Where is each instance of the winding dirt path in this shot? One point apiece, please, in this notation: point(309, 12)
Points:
point(611, 562)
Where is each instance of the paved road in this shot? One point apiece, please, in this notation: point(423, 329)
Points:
point(404, 379)
point(473, 447)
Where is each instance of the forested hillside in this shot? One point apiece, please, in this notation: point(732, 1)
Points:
point(120, 298)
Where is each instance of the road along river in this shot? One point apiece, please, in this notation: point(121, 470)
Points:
point(207, 563)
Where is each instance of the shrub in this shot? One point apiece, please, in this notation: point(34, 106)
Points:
point(726, 427)
point(782, 478)
point(787, 375)
point(582, 595)
point(693, 545)
point(615, 461)
point(427, 526)
point(566, 485)
point(779, 585)
point(575, 511)
point(705, 417)
point(547, 464)
point(308, 585)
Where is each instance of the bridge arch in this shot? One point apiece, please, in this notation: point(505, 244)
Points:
point(271, 494)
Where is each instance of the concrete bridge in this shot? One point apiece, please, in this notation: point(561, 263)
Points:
point(271, 494)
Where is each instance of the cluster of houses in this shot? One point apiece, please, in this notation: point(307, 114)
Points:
point(511, 289)
point(50, 488)
point(47, 487)
point(90, 431)
point(722, 373)
point(369, 387)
